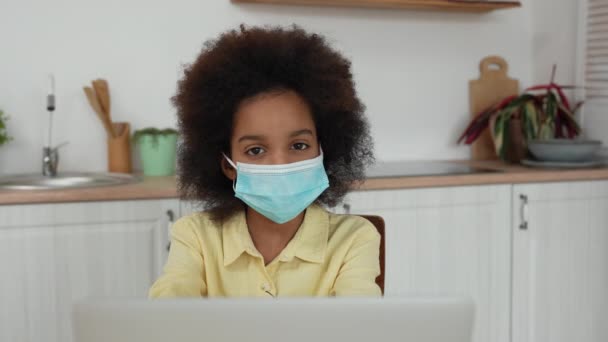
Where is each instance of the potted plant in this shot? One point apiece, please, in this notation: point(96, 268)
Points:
point(541, 112)
point(157, 149)
point(4, 137)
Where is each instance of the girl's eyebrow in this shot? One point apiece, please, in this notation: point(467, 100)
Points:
point(304, 131)
point(251, 137)
point(301, 132)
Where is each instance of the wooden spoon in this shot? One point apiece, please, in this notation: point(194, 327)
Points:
point(103, 95)
point(119, 128)
point(97, 108)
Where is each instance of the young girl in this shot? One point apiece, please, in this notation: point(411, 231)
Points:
point(272, 130)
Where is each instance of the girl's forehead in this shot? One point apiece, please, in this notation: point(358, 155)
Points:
point(276, 114)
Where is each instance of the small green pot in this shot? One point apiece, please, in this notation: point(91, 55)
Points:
point(157, 153)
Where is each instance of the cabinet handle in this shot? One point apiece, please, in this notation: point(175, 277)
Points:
point(346, 208)
point(523, 212)
point(171, 217)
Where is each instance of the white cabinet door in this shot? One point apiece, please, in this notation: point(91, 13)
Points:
point(560, 262)
point(55, 254)
point(453, 240)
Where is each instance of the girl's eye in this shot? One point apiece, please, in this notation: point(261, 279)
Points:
point(254, 151)
point(300, 146)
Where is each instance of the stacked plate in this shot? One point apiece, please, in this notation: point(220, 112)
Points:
point(565, 153)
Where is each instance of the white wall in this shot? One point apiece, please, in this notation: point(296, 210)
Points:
point(554, 27)
point(411, 68)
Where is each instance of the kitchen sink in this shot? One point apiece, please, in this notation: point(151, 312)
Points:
point(66, 180)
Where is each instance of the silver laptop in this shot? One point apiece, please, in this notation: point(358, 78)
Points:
point(433, 319)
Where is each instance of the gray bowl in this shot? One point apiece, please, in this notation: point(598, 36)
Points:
point(564, 150)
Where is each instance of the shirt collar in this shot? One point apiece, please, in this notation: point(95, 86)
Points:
point(309, 243)
point(236, 238)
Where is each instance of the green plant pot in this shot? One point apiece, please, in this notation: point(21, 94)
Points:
point(157, 154)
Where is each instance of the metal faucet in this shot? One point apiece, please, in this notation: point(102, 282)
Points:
point(50, 160)
point(50, 155)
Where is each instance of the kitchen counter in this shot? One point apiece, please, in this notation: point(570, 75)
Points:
point(149, 188)
point(463, 173)
point(503, 174)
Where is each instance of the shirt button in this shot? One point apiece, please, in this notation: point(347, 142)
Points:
point(284, 258)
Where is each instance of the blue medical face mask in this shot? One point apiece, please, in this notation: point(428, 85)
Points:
point(282, 191)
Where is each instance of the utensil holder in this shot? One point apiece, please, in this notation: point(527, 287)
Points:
point(119, 148)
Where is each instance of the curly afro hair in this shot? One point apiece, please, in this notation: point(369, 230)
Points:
point(241, 64)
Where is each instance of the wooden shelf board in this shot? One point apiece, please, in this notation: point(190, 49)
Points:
point(442, 5)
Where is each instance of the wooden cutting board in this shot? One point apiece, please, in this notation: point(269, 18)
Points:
point(492, 86)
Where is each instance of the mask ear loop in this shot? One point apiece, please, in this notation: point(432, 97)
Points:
point(235, 169)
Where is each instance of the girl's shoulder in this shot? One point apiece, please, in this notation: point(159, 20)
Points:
point(197, 223)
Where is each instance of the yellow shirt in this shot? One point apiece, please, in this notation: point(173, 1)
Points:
point(330, 255)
